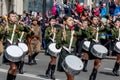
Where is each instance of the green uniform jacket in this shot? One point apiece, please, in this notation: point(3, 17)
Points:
point(18, 31)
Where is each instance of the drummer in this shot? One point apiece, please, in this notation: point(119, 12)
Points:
point(22, 39)
point(79, 43)
point(52, 34)
point(93, 29)
point(67, 49)
point(12, 21)
point(116, 37)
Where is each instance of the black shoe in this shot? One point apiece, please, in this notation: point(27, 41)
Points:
point(116, 73)
point(115, 69)
point(93, 74)
point(21, 64)
point(85, 70)
point(52, 72)
point(34, 61)
point(85, 62)
point(52, 77)
point(29, 60)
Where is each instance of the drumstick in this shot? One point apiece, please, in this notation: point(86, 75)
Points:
point(20, 39)
point(119, 35)
point(54, 35)
point(71, 39)
point(97, 33)
point(11, 40)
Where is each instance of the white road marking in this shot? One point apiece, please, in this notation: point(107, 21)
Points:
point(27, 75)
point(109, 69)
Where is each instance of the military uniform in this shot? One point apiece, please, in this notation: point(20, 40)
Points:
point(34, 42)
point(66, 43)
point(115, 36)
point(18, 30)
point(1, 39)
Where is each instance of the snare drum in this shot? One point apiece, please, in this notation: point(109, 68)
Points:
point(24, 47)
point(117, 47)
point(99, 51)
point(13, 53)
point(86, 45)
point(52, 50)
point(72, 64)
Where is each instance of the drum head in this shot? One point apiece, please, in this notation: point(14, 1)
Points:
point(74, 62)
point(100, 48)
point(87, 44)
point(23, 46)
point(118, 45)
point(14, 51)
point(52, 47)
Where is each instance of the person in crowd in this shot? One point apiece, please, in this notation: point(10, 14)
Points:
point(34, 41)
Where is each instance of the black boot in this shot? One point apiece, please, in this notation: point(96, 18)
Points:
point(21, 67)
point(29, 60)
point(115, 69)
point(48, 71)
point(33, 58)
point(93, 74)
point(85, 65)
point(11, 77)
point(52, 72)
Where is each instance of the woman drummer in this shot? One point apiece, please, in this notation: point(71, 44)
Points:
point(52, 34)
point(79, 43)
point(116, 37)
point(12, 21)
point(66, 41)
point(96, 39)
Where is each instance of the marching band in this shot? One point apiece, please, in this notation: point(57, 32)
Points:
point(71, 43)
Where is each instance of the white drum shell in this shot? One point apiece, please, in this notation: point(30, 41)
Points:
point(117, 47)
point(86, 45)
point(99, 51)
point(52, 50)
point(72, 65)
point(13, 53)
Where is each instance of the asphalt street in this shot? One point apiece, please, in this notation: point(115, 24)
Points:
point(37, 72)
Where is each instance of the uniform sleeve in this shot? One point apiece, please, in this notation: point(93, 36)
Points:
point(48, 33)
point(59, 38)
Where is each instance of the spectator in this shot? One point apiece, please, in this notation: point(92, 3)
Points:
point(103, 11)
point(112, 7)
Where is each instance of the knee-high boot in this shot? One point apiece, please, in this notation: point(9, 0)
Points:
point(29, 60)
point(11, 77)
point(47, 73)
point(21, 67)
point(85, 65)
point(33, 58)
point(52, 72)
point(93, 74)
point(115, 69)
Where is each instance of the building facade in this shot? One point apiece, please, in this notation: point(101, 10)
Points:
point(11, 5)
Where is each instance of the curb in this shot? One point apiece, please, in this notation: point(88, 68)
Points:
point(110, 57)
